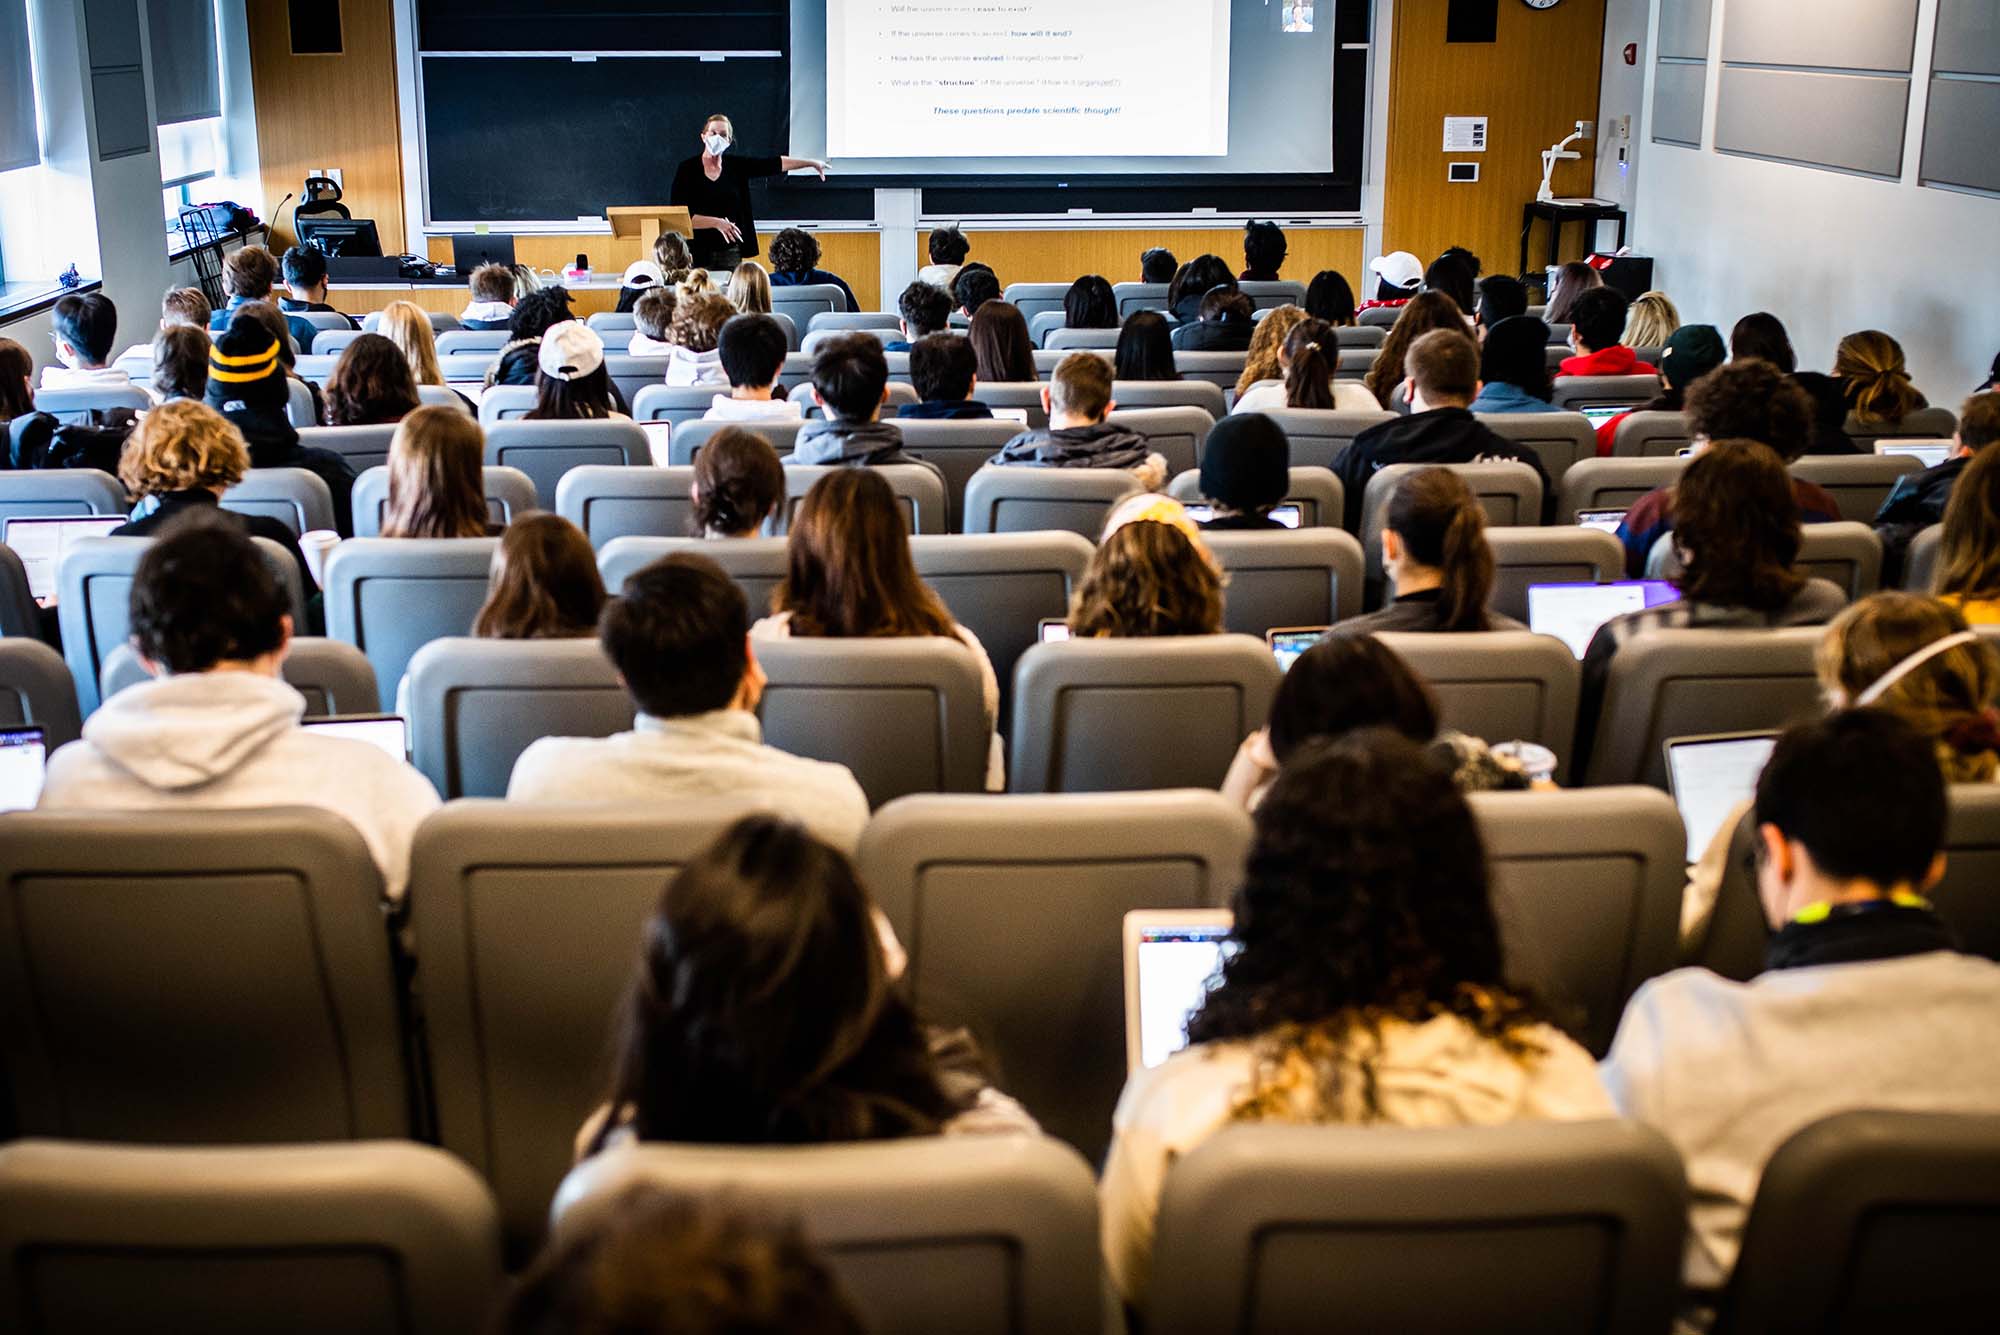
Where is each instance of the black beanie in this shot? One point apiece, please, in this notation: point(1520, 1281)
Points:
point(1246, 463)
point(244, 369)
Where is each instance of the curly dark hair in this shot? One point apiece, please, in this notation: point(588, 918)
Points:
point(1751, 399)
point(539, 312)
point(1364, 900)
point(1736, 527)
point(1344, 684)
point(794, 251)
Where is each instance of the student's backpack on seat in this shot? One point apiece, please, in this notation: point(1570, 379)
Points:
point(40, 440)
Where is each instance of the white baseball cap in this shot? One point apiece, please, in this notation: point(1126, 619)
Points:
point(570, 351)
point(644, 273)
point(1399, 268)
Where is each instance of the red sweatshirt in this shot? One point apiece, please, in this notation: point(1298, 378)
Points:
point(1614, 360)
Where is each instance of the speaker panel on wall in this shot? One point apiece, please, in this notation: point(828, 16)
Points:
point(1472, 21)
point(315, 27)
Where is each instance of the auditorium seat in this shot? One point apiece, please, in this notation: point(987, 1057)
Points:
point(958, 449)
point(1070, 340)
point(1318, 436)
point(1845, 553)
point(1380, 317)
point(58, 492)
point(1573, 393)
point(1001, 586)
point(609, 323)
point(689, 437)
point(1499, 686)
point(1201, 394)
point(94, 605)
point(757, 565)
point(437, 396)
point(1509, 492)
point(389, 597)
point(1036, 298)
point(796, 371)
point(1316, 491)
point(476, 705)
point(487, 341)
point(900, 393)
point(1019, 499)
point(1613, 484)
point(675, 403)
point(1179, 433)
point(363, 447)
point(36, 687)
point(215, 980)
point(1645, 435)
point(1689, 683)
point(803, 302)
point(75, 405)
point(19, 616)
point(1269, 296)
point(847, 322)
point(294, 497)
point(1922, 424)
point(1559, 336)
point(1529, 1227)
point(1560, 440)
point(1022, 395)
point(1873, 1220)
point(905, 715)
point(816, 339)
point(299, 408)
point(1360, 336)
point(619, 501)
point(1221, 369)
point(977, 886)
point(1859, 483)
point(1044, 323)
point(1523, 557)
point(440, 322)
point(528, 919)
point(1114, 715)
point(547, 450)
point(333, 677)
point(311, 1239)
point(1136, 297)
point(919, 491)
point(333, 339)
point(1288, 578)
point(464, 368)
point(509, 494)
point(1920, 563)
point(505, 403)
point(977, 1235)
point(322, 320)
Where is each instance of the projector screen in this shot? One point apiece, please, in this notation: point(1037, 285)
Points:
point(958, 88)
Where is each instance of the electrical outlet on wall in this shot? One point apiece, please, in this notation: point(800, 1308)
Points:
point(333, 174)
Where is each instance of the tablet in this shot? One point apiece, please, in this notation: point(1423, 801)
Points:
point(1573, 612)
point(1288, 642)
point(24, 760)
point(1172, 959)
point(387, 731)
point(1710, 775)
point(1606, 520)
point(41, 542)
point(1930, 452)
point(1290, 514)
point(1053, 630)
point(659, 436)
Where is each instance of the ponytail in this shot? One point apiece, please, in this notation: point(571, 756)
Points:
point(1877, 378)
point(1441, 525)
point(1309, 381)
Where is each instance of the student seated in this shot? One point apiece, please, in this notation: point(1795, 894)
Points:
point(1399, 277)
point(408, 326)
point(1650, 321)
point(1364, 985)
point(696, 358)
point(1001, 347)
point(493, 296)
point(17, 381)
point(659, 1264)
point(1077, 401)
point(248, 275)
point(1762, 335)
point(1420, 315)
point(185, 306)
point(1968, 563)
point(653, 323)
point(219, 727)
point(85, 328)
point(436, 482)
point(180, 363)
point(1264, 360)
point(1226, 320)
point(1193, 282)
point(371, 385)
point(543, 583)
point(1245, 472)
point(751, 350)
point(974, 286)
point(923, 309)
point(1690, 352)
point(1514, 368)
point(738, 485)
point(1444, 379)
point(1501, 297)
point(1874, 379)
point(850, 384)
point(945, 372)
point(1453, 277)
point(247, 384)
point(534, 315)
point(672, 253)
point(1306, 361)
point(1157, 265)
point(1572, 281)
point(1992, 384)
point(571, 382)
point(1919, 500)
point(1439, 564)
point(1330, 298)
point(750, 289)
point(1090, 304)
point(1145, 349)
point(794, 259)
point(1865, 1001)
point(1151, 576)
point(1744, 400)
point(304, 272)
point(947, 248)
point(677, 635)
point(1596, 323)
point(640, 277)
point(1263, 252)
point(850, 576)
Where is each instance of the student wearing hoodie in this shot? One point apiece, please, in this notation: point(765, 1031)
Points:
point(1077, 401)
point(492, 306)
point(946, 375)
point(697, 335)
point(1226, 322)
point(752, 349)
point(85, 327)
point(1597, 323)
point(219, 727)
point(850, 384)
point(247, 384)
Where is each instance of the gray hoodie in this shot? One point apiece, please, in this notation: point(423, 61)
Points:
point(829, 440)
point(232, 739)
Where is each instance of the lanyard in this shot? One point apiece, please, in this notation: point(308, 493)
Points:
point(1826, 911)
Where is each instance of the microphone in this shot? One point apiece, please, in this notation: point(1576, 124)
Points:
point(279, 212)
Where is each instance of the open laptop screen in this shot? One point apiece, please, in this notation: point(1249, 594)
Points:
point(1290, 514)
point(1599, 416)
point(388, 731)
point(41, 542)
point(1573, 612)
point(23, 761)
point(1930, 453)
point(1710, 775)
point(1172, 959)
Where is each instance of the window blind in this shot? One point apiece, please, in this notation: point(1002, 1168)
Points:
point(20, 144)
point(187, 77)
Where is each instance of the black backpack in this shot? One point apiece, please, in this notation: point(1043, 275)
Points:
point(40, 440)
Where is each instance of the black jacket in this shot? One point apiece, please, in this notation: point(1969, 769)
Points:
point(177, 503)
point(1829, 400)
point(1219, 336)
point(1440, 436)
point(1914, 504)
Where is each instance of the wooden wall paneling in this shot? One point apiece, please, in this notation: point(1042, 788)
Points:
point(1061, 256)
point(1539, 78)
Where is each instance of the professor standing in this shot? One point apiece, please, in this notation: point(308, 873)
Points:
point(714, 186)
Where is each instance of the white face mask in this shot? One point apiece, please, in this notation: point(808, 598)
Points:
point(716, 144)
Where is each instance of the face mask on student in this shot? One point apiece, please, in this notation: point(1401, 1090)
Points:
point(716, 144)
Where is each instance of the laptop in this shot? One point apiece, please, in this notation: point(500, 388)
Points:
point(659, 439)
point(387, 731)
point(1930, 452)
point(1573, 612)
point(1290, 514)
point(24, 760)
point(1288, 642)
point(41, 542)
point(1604, 520)
point(1052, 630)
point(469, 250)
point(1018, 416)
point(1709, 775)
point(1172, 959)
point(1599, 416)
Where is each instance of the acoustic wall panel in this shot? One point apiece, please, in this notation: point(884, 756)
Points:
point(117, 78)
point(1968, 38)
point(1684, 29)
point(1958, 135)
point(1824, 34)
point(1850, 122)
point(1678, 90)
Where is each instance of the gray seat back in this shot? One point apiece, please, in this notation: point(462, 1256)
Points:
point(509, 493)
point(1023, 499)
point(476, 705)
point(1048, 322)
point(958, 449)
point(363, 447)
point(1613, 484)
point(1296, 577)
point(613, 322)
point(1859, 483)
point(1036, 298)
point(850, 321)
point(300, 410)
point(1179, 433)
point(506, 403)
point(547, 450)
point(1136, 297)
point(631, 374)
point(55, 492)
point(440, 321)
point(333, 677)
point(332, 339)
point(1269, 296)
point(461, 368)
point(1523, 557)
point(294, 497)
point(1924, 424)
point(443, 396)
point(1560, 440)
point(675, 403)
point(1111, 715)
point(528, 919)
point(689, 437)
point(1534, 1226)
point(1361, 336)
point(1501, 686)
point(94, 604)
point(1130, 394)
point(75, 405)
point(1509, 491)
point(389, 597)
point(1001, 586)
point(472, 340)
point(19, 614)
point(974, 885)
point(982, 1235)
point(35, 687)
point(1070, 340)
point(1873, 1220)
point(1319, 436)
point(218, 980)
point(900, 392)
point(1645, 435)
point(919, 491)
point(1574, 393)
point(621, 501)
point(1221, 369)
point(1920, 563)
point(1318, 493)
point(1848, 553)
point(1024, 395)
point(757, 565)
point(801, 303)
point(796, 371)
point(384, 1236)
point(1687, 683)
point(903, 715)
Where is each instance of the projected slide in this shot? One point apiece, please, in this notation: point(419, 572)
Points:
point(1027, 79)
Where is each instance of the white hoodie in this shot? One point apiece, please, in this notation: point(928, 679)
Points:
point(686, 367)
point(232, 739)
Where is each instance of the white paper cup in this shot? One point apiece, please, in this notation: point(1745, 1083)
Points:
point(316, 543)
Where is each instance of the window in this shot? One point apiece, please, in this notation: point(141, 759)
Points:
point(187, 86)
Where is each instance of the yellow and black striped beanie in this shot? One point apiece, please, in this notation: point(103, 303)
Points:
point(243, 367)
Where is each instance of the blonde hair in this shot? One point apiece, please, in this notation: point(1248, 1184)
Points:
point(691, 281)
point(1969, 550)
point(698, 320)
point(671, 253)
point(181, 446)
point(1148, 578)
point(1949, 698)
point(436, 485)
point(1081, 385)
point(750, 289)
point(1650, 321)
point(1871, 365)
point(1263, 362)
point(405, 324)
point(727, 127)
